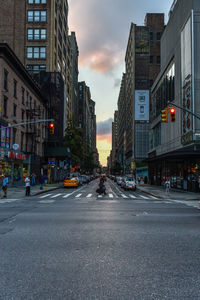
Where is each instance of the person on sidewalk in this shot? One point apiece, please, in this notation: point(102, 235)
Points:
point(33, 176)
point(5, 186)
point(28, 185)
point(167, 186)
point(41, 180)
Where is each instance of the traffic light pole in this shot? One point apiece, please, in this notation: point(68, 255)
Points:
point(30, 122)
point(184, 109)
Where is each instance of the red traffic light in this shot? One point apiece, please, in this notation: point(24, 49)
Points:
point(51, 125)
point(172, 114)
point(172, 110)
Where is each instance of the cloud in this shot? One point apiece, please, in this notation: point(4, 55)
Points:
point(102, 29)
point(104, 127)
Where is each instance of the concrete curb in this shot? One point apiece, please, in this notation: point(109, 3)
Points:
point(45, 191)
point(149, 193)
point(155, 195)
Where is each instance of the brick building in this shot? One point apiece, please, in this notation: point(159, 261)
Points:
point(20, 101)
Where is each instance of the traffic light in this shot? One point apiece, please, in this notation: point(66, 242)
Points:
point(51, 128)
point(164, 115)
point(172, 114)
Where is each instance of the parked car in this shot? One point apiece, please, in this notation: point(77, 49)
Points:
point(129, 183)
point(71, 182)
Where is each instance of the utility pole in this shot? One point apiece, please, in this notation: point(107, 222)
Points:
point(184, 109)
point(29, 122)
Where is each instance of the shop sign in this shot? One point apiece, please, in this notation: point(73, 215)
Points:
point(13, 155)
point(5, 137)
point(51, 161)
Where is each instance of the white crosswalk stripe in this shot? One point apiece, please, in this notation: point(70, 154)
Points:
point(57, 195)
point(153, 197)
point(89, 195)
point(124, 196)
point(67, 195)
point(144, 197)
point(45, 196)
point(132, 196)
point(77, 196)
point(110, 195)
point(100, 196)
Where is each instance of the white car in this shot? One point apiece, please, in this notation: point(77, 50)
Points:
point(129, 184)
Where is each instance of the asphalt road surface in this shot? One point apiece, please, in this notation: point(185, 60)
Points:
point(73, 244)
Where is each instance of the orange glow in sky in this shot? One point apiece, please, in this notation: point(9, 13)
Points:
point(104, 147)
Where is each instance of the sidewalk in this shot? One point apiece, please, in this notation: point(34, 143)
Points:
point(159, 191)
point(18, 192)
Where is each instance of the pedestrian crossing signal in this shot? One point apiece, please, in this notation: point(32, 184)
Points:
point(164, 115)
point(51, 128)
point(172, 114)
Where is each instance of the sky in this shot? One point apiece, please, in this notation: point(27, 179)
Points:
point(102, 30)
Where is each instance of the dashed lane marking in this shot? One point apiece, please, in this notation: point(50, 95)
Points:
point(46, 201)
point(7, 200)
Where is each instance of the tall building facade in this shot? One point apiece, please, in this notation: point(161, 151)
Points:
point(121, 124)
point(87, 117)
point(174, 146)
point(142, 64)
point(75, 72)
point(114, 138)
point(37, 31)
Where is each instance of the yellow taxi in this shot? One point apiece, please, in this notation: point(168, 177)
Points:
point(71, 182)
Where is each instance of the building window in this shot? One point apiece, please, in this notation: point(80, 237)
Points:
point(37, 16)
point(36, 52)
point(158, 59)
point(23, 92)
point(15, 89)
point(35, 69)
point(14, 110)
point(151, 36)
point(36, 34)
point(22, 140)
point(151, 82)
point(14, 136)
point(5, 102)
point(37, 1)
point(158, 36)
point(5, 80)
point(22, 115)
point(151, 59)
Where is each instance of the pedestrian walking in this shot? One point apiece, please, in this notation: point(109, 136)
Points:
point(167, 186)
point(41, 180)
point(5, 186)
point(27, 184)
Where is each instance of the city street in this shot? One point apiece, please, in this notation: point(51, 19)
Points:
point(74, 244)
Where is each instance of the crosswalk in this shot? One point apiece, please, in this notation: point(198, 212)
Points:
point(90, 195)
